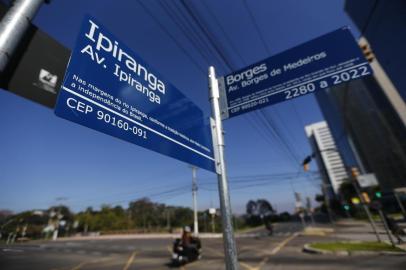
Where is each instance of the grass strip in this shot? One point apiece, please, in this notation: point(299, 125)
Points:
point(355, 246)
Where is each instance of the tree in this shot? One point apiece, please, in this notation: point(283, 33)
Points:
point(259, 212)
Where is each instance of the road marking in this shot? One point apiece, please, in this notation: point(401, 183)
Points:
point(273, 252)
point(247, 266)
point(283, 243)
point(80, 265)
point(276, 250)
point(214, 251)
point(130, 261)
point(77, 267)
point(190, 264)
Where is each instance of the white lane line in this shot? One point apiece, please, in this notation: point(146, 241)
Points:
point(137, 123)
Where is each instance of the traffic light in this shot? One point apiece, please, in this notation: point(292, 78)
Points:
point(306, 162)
point(378, 194)
point(306, 167)
point(346, 207)
point(354, 172)
point(366, 50)
point(355, 200)
point(365, 196)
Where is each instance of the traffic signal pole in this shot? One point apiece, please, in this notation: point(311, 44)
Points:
point(13, 27)
point(364, 205)
point(230, 249)
point(402, 208)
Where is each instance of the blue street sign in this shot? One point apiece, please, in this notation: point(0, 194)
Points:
point(323, 62)
point(109, 88)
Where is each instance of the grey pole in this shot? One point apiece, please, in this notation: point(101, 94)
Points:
point(366, 209)
point(385, 225)
point(400, 203)
point(230, 249)
point(13, 27)
point(327, 202)
point(213, 225)
point(309, 209)
point(194, 194)
point(9, 238)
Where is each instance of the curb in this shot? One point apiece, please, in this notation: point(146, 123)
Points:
point(308, 249)
point(135, 236)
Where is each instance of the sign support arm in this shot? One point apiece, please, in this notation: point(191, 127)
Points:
point(13, 27)
point(230, 250)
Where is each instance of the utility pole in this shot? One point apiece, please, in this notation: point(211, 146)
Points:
point(230, 249)
point(309, 209)
point(327, 202)
point(212, 212)
point(168, 220)
point(194, 194)
point(299, 208)
point(13, 27)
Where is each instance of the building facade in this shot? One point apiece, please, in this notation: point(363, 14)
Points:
point(328, 158)
point(383, 24)
point(368, 116)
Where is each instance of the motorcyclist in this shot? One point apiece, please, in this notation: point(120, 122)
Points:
point(186, 238)
point(187, 247)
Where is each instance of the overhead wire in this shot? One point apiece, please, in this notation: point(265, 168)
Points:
point(165, 30)
point(270, 128)
point(261, 36)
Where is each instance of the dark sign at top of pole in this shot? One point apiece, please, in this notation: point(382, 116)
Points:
point(109, 88)
point(323, 62)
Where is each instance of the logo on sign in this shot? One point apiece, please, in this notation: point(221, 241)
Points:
point(47, 81)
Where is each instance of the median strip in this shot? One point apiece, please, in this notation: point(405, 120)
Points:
point(352, 247)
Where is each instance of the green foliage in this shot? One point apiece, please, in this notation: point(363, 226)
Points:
point(259, 212)
point(142, 215)
point(319, 198)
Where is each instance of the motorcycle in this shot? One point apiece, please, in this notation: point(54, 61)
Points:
point(182, 255)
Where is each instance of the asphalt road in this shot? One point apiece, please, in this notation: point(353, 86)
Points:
point(281, 251)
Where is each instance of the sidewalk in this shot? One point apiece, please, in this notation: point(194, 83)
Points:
point(360, 231)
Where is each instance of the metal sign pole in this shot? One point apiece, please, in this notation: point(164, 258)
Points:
point(230, 249)
point(13, 26)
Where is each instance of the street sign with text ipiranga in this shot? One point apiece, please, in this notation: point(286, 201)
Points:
point(109, 88)
point(323, 62)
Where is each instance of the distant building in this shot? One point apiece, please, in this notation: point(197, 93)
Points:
point(367, 117)
point(328, 158)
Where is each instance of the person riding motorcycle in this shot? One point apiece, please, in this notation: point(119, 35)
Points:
point(187, 248)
